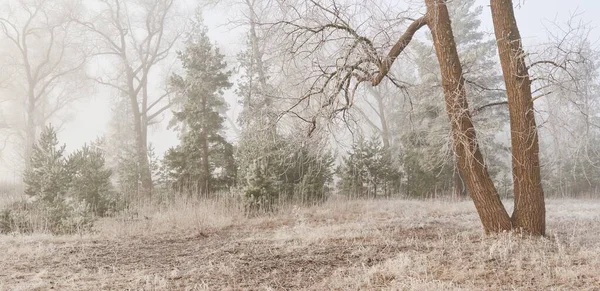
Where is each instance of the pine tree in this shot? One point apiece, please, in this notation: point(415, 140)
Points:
point(203, 149)
point(47, 178)
point(90, 178)
point(368, 171)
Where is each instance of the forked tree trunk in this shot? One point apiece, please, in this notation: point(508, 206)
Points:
point(470, 161)
point(529, 212)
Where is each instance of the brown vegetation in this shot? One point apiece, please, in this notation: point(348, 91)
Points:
point(342, 245)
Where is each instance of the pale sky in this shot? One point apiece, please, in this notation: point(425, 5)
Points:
point(533, 16)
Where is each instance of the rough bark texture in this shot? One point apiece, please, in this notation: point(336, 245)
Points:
point(529, 212)
point(471, 165)
point(206, 179)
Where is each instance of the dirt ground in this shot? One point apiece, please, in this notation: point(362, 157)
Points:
point(381, 245)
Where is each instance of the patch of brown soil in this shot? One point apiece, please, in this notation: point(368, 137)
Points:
point(221, 260)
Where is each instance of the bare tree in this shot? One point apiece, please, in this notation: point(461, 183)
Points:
point(360, 61)
point(47, 55)
point(139, 35)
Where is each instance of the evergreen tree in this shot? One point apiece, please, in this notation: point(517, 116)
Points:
point(274, 167)
point(368, 171)
point(47, 177)
point(203, 150)
point(90, 179)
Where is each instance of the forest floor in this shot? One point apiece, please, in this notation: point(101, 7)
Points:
point(341, 245)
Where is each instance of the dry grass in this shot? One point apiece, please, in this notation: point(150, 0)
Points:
point(342, 245)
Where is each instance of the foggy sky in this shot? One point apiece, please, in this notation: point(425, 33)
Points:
point(91, 117)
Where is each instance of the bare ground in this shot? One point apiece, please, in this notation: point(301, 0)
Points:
point(357, 245)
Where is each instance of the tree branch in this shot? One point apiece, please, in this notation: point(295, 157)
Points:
point(400, 45)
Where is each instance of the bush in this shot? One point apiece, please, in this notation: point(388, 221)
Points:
point(67, 193)
point(16, 217)
point(279, 169)
point(57, 217)
point(66, 216)
point(90, 180)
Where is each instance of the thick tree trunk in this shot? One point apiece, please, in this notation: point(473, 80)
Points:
point(30, 130)
point(529, 212)
point(143, 162)
point(471, 165)
point(141, 136)
point(141, 141)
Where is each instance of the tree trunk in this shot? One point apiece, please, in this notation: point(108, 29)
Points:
point(471, 165)
point(141, 138)
point(144, 163)
point(206, 187)
point(529, 211)
point(30, 129)
point(385, 131)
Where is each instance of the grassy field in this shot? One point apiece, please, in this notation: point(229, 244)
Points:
point(342, 245)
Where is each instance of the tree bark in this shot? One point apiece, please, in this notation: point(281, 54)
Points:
point(470, 161)
point(529, 210)
point(206, 187)
point(141, 139)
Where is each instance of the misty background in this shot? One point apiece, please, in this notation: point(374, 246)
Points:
point(89, 117)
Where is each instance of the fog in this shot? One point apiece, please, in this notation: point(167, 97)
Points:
point(88, 116)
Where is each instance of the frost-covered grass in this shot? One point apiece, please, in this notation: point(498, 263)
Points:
point(341, 245)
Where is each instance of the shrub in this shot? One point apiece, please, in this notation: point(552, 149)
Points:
point(57, 217)
point(66, 216)
point(16, 218)
point(90, 180)
point(67, 193)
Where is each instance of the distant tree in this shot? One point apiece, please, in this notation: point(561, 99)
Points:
point(120, 149)
point(139, 36)
point(273, 167)
point(369, 171)
point(425, 177)
point(203, 150)
point(43, 65)
point(276, 169)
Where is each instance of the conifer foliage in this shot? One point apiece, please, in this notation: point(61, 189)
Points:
point(47, 177)
point(203, 162)
point(67, 193)
point(369, 171)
